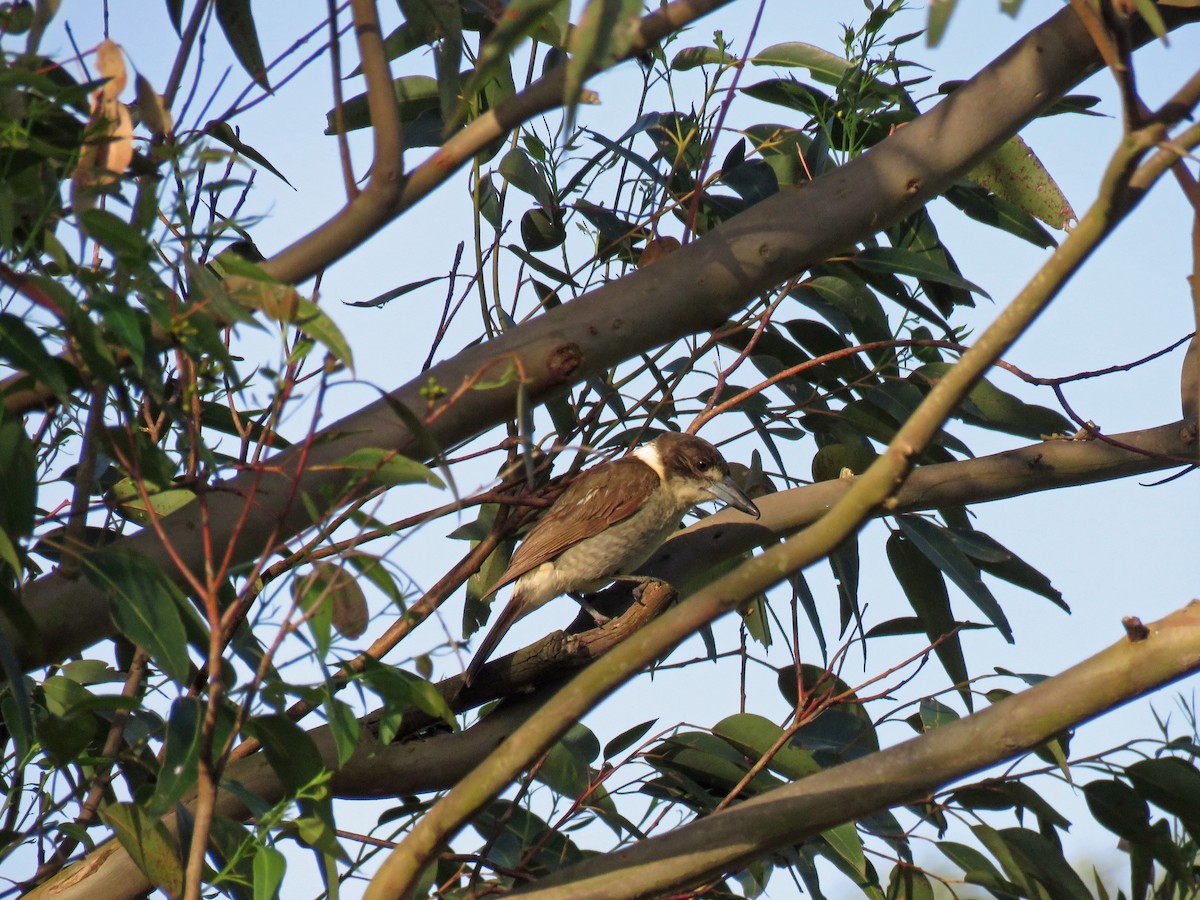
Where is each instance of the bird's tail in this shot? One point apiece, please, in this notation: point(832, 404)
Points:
point(509, 615)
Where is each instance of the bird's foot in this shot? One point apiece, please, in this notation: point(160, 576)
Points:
point(598, 617)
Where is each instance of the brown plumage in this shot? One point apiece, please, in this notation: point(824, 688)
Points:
point(607, 523)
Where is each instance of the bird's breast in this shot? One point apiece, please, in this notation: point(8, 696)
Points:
point(621, 548)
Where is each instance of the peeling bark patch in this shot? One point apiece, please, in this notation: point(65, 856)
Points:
point(563, 361)
point(913, 187)
point(1134, 629)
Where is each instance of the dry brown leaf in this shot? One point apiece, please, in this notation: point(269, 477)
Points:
point(109, 146)
point(110, 63)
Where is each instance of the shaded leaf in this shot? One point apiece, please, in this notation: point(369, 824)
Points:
point(388, 296)
point(148, 843)
point(387, 467)
point(21, 347)
point(520, 19)
point(627, 739)
point(997, 212)
point(1013, 569)
point(237, 21)
point(989, 407)
point(925, 588)
point(291, 752)
point(941, 551)
point(225, 133)
point(145, 607)
point(895, 261)
point(605, 32)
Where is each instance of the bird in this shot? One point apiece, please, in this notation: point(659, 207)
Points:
point(607, 523)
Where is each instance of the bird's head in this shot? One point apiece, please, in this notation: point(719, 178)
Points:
point(694, 470)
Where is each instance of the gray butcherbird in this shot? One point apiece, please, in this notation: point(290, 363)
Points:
point(608, 522)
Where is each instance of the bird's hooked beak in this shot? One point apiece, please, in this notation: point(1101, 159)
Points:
point(728, 492)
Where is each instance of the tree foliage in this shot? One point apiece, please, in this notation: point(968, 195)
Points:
point(211, 627)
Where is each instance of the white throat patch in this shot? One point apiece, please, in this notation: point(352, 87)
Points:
point(648, 454)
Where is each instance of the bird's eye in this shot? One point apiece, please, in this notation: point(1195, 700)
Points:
point(702, 465)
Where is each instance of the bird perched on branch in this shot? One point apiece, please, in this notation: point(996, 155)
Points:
point(607, 523)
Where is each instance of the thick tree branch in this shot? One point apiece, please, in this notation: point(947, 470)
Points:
point(402, 768)
point(870, 492)
point(431, 764)
point(687, 292)
point(906, 773)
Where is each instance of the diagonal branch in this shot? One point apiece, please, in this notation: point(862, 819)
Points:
point(438, 761)
point(871, 493)
point(687, 292)
point(905, 773)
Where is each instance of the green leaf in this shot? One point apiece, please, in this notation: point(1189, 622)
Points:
point(21, 347)
point(1171, 784)
point(925, 589)
point(847, 854)
point(646, 166)
point(416, 95)
point(148, 843)
point(344, 727)
point(977, 868)
point(825, 66)
point(542, 230)
point(518, 170)
point(939, 18)
point(603, 36)
point(790, 94)
point(290, 751)
point(755, 735)
point(907, 883)
point(269, 868)
point(931, 540)
point(1119, 808)
point(520, 19)
point(935, 714)
point(556, 275)
point(18, 478)
point(225, 133)
point(627, 739)
point(1013, 569)
point(997, 212)
point(181, 755)
point(124, 499)
point(440, 23)
point(145, 607)
point(1016, 174)
point(115, 235)
point(283, 303)
point(891, 260)
point(694, 57)
point(387, 467)
point(832, 460)
point(565, 769)
point(989, 407)
point(399, 688)
point(1042, 858)
point(237, 21)
point(1149, 11)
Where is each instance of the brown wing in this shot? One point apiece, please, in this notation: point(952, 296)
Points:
point(584, 509)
